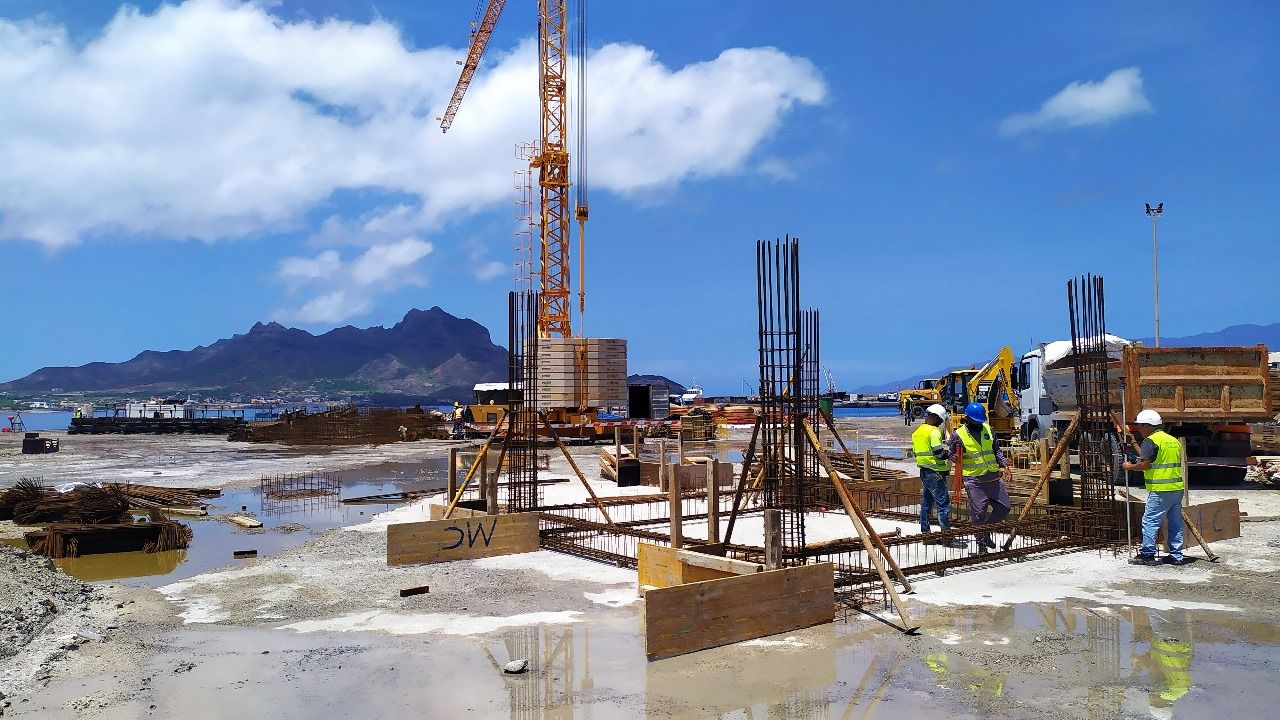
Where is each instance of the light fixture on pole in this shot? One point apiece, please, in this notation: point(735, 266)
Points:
point(1155, 213)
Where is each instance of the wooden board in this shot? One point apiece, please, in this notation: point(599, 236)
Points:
point(659, 566)
point(696, 616)
point(461, 538)
point(1217, 520)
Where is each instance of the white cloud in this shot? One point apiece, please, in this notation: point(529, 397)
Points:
point(349, 289)
point(1117, 95)
point(301, 270)
point(489, 270)
point(217, 119)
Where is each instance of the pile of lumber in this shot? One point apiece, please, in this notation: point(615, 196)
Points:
point(609, 463)
point(720, 414)
point(1265, 438)
point(697, 426)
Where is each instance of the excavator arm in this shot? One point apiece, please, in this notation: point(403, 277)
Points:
point(475, 50)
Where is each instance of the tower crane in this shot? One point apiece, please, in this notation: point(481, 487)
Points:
point(552, 157)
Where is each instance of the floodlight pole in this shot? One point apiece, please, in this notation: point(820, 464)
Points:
point(1155, 213)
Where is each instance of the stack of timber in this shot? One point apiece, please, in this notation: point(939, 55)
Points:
point(609, 463)
point(348, 426)
point(581, 373)
point(1265, 438)
point(719, 414)
point(697, 426)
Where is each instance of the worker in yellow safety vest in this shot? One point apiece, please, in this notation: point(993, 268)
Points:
point(985, 472)
point(1160, 460)
point(932, 457)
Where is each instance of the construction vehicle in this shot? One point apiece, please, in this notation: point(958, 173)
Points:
point(576, 375)
point(992, 385)
point(1206, 395)
point(913, 401)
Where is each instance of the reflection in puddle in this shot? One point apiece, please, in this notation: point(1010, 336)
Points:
point(286, 523)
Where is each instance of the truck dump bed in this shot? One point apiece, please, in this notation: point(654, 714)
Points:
point(1199, 384)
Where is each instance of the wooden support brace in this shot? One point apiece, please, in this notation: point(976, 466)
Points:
point(547, 424)
point(866, 533)
point(747, 459)
point(475, 465)
point(713, 502)
point(1064, 443)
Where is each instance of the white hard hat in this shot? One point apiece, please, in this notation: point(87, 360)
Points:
point(936, 409)
point(1149, 417)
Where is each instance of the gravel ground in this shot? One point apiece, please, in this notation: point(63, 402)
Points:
point(46, 617)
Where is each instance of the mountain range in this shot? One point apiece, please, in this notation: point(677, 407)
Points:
point(428, 356)
point(1268, 335)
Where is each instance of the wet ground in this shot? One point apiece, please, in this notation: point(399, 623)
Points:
point(285, 524)
point(315, 626)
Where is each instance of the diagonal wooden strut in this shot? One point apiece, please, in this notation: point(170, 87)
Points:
point(742, 481)
point(551, 431)
point(475, 465)
point(866, 533)
point(1064, 443)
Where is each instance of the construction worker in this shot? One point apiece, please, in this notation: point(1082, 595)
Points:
point(932, 458)
point(457, 419)
point(982, 465)
point(1160, 460)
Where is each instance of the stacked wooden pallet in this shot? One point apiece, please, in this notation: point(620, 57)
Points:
point(1265, 438)
point(582, 372)
point(697, 427)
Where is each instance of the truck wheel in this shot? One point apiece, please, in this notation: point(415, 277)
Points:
point(917, 412)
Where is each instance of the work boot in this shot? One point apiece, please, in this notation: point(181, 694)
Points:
point(1171, 560)
point(985, 541)
point(1141, 559)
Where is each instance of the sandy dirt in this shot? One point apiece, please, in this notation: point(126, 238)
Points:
point(319, 628)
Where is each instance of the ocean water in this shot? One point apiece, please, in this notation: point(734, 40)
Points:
point(866, 412)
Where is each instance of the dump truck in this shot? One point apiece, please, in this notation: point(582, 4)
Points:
point(1207, 395)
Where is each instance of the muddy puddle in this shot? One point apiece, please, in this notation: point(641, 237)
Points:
point(285, 524)
point(1126, 663)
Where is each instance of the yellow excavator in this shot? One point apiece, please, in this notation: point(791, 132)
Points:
point(912, 402)
point(992, 385)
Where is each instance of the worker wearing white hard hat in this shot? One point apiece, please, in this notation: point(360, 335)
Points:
point(933, 459)
point(1160, 460)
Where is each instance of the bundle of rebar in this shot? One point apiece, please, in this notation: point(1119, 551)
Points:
point(86, 504)
point(62, 540)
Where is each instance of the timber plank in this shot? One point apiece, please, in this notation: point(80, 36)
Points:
point(696, 616)
point(461, 538)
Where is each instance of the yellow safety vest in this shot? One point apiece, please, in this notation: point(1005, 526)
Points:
point(1174, 659)
point(1165, 473)
point(923, 442)
point(979, 455)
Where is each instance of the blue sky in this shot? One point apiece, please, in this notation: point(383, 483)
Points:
point(946, 168)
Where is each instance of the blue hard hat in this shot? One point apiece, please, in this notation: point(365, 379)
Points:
point(975, 412)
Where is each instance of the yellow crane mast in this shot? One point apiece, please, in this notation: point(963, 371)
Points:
point(552, 158)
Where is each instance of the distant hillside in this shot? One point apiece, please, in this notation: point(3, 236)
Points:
point(429, 355)
point(1268, 335)
point(673, 387)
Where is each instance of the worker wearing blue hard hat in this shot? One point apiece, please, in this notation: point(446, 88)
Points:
point(983, 467)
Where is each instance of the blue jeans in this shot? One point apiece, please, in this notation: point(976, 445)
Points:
point(1161, 505)
point(934, 494)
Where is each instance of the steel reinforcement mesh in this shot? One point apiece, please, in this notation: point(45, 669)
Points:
point(1096, 435)
point(783, 446)
point(521, 442)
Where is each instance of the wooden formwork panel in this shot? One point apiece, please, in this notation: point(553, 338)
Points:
point(462, 538)
point(659, 566)
point(1216, 520)
point(701, 615)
